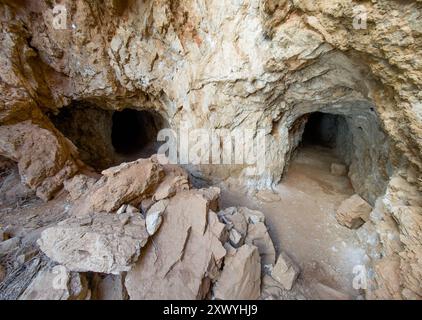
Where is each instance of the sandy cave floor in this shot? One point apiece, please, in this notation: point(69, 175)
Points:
point(303, 224)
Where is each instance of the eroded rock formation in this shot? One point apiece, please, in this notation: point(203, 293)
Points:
point(258, 64)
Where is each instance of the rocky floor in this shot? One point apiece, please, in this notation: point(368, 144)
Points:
point(300, 216)
point(301, 220)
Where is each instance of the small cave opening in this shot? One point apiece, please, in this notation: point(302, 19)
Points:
point(350, 135)
point(134, 133)
point(106, 138)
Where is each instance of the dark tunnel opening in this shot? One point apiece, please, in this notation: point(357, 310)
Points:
point(134, 133)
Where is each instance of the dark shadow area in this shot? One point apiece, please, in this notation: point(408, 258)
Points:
point(135, 132)
point(106, 138)
point(327, 130)
point(321, 129)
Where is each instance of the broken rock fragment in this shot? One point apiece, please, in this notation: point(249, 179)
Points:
point(154, 216)
point(100, 242)
point(184, 255)
point(241, 275)
point(57, 284)
point(128, 183)
point(258, 236)
point(285, 271)
point(78, 185)
point(353, 212)
point(237, 225)
point(252, 216)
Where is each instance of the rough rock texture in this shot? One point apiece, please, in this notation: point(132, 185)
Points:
point(128, 183)
point(285, 271)
point(184, 256)
point(100, 242)
point(258, 236)
point(241, 275)
point(78, 186)
point(154, 218)
point(222, 64)
point(50, 285)
point(353, 212)
point(109, 287)
point(45, 158)
point(397, 220)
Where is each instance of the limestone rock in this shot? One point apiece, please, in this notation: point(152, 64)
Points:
point(235, 238)
point(57, 284)
point(128, 183)
point(9, 245)
point(78, 186)
point(353, 212)
point(212, 195)
point(285, 271)
point(100, 242)
point(258, 236)
point(280, 60)
point(236, 224)
point(338, 169)
point(170, 185)
point(45, 159)
point(154, 218)
point(183, 256)
point(109, 287)
point(241, 275)
point(252, 216)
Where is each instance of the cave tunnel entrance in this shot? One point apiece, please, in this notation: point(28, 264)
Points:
point(324, 135)
point(106, 138)
point(134, 133)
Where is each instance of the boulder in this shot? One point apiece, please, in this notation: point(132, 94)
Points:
point(338, 169)
point(353, 212)
point(128, 183)
point(57, 284)
point(78, 186)
point(185, 254)
point(45, 157)
point(258, 236)
point(285, 271)
point(100, 242)
point(241, 275)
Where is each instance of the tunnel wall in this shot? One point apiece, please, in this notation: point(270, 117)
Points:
point(359, 141)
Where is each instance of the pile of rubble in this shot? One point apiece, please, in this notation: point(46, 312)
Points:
point(142, 232)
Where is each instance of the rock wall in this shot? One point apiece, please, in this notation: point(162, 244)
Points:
point(257, 64)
